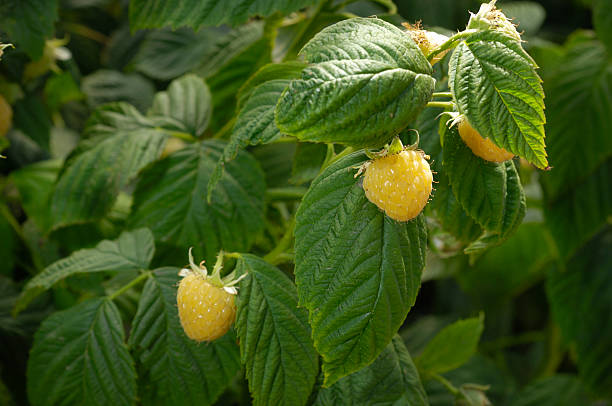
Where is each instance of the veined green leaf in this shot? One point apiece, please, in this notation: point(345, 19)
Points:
point(494, 83)
point(170, 199)
point(275, 344)
point(188, 101)
point(451, 347)
point(556, 390)
point(114, 117)
point(367, 80)
point(581, 303)
point(30, 23)
point(392, 379)
point(200, 13)
point(105, 86)
point(177, 370)
point(357, 271)
point(579, 113)
point(79, 357)
point(131, 251)
point(490, 192)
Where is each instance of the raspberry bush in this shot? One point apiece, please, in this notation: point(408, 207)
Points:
point(386, 210)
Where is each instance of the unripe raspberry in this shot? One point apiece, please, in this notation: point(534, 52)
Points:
point(428, 41)
point(206, 302)
point(480, 146)
point(6, 116)
point(399, 184)
point(206, 311)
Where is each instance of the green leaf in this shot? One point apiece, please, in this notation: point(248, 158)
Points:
point(271, 71)
point(367, 80)
point(602, 21)
point(35, 185)
point(79, 357)
point(98, 169)
point(166, 54)
point(307, 162)
point(29, 24)
point(187, 100)
point(32, 117)
point(105, 86)
point(357, 271)
point(556, 390)
point(200, 13)
point(580, 103)
point(392, 379)
point(581, 303)
point(131, 251)
point(170, 199)
point(577, 215)
point(452, 346)
point(494, 83)
point(275, 345)
point(60, 89)
point(490, 192)
point(176, 369)
point(114, 117)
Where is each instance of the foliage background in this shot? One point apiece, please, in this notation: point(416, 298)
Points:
point(546, 293)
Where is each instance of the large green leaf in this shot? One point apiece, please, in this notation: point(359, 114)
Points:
point(166, 54)
point(556, 390)
point(200, 13)
point(390, 380)
point(577, 215)
point(98, 169)
point(132, 250)
point(170, 199)
point(275, 344)
point(79, 357)
point(602, 20)
point(188, 101)
point(581, 302)
point(29, 23)
point(451, 347)
point(358, 271)
point(579, 116)
point(490, 192)
point(177, 370)
point(367, 80)
point(494, 83)
point(105, 86)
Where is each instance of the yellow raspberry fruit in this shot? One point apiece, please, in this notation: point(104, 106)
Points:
point(206, 311)
point(399, 184)
point(428, 41)
point(480, 146)
point(205, 302)
point(6, 116)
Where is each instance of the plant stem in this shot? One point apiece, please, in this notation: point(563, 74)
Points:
point(447, 384)
point(346, 151)
point(178, 134)
point(442, 94)
point(86, 32)
point(227, 127)
point(444, 105)
point(278, 254)
point(286, 193)
point(130, 285)
point(295, 43)
point(8, 216)
point(504, 342)
point(555, 352)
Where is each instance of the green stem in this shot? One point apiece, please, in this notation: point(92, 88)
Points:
point(447, 384)
point(130, 285)
point(86, 32)
point(8, 216)
point(227, 127)
point(286, 193)
point(178, 134)
point(295, 43)
point(555, 352)
point(442, 94)
point(278, 254)
point(346, 151)
point(444, 105)
point(504, 342)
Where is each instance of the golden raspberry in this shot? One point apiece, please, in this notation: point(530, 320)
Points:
point(206, 311)
point(399, 184)
point(480, 146)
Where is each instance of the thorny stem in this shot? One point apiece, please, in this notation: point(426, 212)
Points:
point(444, 105)
point(130, 285)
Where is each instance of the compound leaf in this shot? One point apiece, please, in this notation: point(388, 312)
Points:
point(131, 251)
point(275, 344)
point(176, 369)
point(79, 357)
point(494, 83)
point(357, 271)
point(367, 80)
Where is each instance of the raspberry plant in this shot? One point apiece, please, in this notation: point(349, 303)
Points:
point(470, 267)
